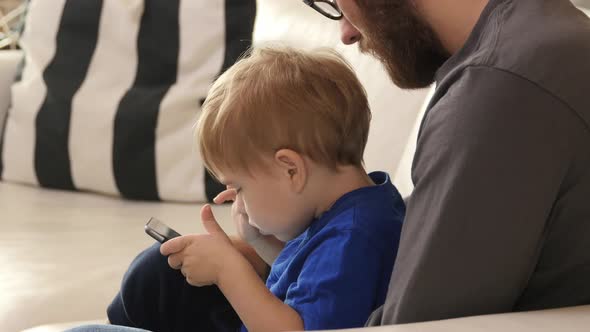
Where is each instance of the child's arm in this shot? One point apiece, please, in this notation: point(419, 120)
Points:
point(213, 259)
point(260, 265)
point(257, 307)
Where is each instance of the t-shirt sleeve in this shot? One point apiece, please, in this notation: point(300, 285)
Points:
point(338, 283)
point(489, 163)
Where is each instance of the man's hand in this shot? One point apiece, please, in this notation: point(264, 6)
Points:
point(202, 258)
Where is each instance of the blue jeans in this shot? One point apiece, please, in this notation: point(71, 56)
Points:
point(155, 297)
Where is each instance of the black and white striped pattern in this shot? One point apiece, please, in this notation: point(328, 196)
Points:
point(111, 90)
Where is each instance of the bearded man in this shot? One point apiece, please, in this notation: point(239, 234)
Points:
point(499, 219)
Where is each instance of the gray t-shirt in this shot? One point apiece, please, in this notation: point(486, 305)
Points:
point(499, 220)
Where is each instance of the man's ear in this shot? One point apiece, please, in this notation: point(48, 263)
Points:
point(293, 166)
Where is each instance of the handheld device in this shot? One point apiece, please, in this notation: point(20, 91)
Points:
point(159, 231)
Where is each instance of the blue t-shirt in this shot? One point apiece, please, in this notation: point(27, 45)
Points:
point(337, 272)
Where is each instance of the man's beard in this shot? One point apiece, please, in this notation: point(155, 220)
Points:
point(402, 41)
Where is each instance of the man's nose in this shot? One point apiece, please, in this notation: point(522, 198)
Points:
point(348, 33)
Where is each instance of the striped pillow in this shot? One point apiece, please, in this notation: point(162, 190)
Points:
point(110, 92)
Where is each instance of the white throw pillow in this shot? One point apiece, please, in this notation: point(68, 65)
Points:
point(111, 90)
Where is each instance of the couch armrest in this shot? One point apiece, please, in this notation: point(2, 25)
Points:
point(570, 319)
point(9, 61)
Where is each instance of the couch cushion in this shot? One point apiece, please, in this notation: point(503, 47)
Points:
point(64, 254)
point(111, 90)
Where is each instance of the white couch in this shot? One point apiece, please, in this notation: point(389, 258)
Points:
point(63, 254)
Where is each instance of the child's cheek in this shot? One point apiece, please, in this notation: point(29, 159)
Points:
point(244, 207)
point(252, 213)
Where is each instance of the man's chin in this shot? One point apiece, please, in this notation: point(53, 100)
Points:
point(404, 79)
point(394, 33)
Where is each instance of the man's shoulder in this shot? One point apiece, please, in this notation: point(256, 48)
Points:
point(484, 99)
point(550, 49)
point(526, 50)
point(488, 110)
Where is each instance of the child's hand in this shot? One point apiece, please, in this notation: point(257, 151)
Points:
point(246, 231)
point(201, 258)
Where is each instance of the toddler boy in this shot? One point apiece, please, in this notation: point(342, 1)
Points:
point(285, 130)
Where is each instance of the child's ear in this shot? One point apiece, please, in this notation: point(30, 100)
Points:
point(292, 165)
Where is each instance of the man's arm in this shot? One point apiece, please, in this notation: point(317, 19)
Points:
point(488, 167)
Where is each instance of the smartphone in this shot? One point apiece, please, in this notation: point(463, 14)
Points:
point(159, 231)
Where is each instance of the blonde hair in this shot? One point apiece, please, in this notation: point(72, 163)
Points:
point(280, 98)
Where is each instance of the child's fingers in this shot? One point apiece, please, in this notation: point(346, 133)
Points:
point(239, 202)
point(210, 223)
point(175, 261)
point(174, 245)
point(224, 196)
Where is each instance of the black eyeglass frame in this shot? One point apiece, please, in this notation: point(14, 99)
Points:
point(332, 3)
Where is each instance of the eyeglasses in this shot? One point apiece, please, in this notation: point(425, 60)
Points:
point(328, 8)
